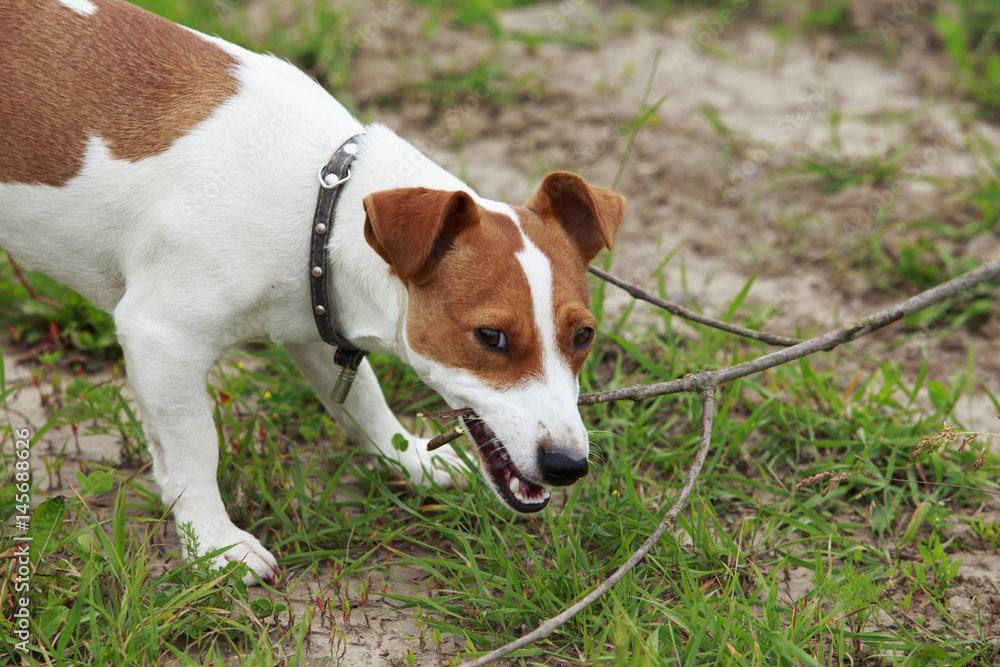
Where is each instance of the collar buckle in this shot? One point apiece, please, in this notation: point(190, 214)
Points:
point(327, 185)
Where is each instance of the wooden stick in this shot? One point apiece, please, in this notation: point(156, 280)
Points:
point(447, 414)
point(439, 441)
point(828, 341)
point(688, 314)
point(639, 392)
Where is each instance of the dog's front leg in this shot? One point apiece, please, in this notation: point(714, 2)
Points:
point(367, 419)
point(168, 369)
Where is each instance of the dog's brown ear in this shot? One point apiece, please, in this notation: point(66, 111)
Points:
point(591, 215)
point(412, 228)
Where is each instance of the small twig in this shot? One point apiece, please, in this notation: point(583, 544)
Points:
point(439, 441)
point(446, 414)
point(549, 626)
point(688, 314)
point(31, 290)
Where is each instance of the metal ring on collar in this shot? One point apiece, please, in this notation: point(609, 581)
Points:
point(325, 184)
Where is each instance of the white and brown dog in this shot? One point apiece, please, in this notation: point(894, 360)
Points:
point(171, 178)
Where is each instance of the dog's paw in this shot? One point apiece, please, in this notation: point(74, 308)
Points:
point(243, 548)
point(254, 556)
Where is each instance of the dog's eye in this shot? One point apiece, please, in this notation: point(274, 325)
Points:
point(492, 338)
point(583, 337)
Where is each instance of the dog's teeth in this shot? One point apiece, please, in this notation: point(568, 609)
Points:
point(515, 485)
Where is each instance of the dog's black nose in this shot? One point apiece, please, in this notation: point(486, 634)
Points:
point(558, 469)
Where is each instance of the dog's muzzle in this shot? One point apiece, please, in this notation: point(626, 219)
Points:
point(518, 492)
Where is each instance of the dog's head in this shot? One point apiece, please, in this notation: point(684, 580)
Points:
point(498, 317)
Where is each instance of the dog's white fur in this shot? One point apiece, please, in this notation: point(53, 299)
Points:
point(204, 246)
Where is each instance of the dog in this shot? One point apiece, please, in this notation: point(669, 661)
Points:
point(172, 178)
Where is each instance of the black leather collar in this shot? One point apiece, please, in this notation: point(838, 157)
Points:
point(332, 178)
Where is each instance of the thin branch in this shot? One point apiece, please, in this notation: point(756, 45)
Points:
point(439, 441)
point(446, 414)
point(707, 392)
point(31, 290)
point(688, 314)
point(824, 343)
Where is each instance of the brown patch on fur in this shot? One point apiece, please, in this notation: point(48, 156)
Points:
point(128, 76)
point(478, 283)
point(413, 228)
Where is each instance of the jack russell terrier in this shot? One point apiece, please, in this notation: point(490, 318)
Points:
point(171, 178)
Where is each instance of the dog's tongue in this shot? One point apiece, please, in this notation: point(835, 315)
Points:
point(510, 484)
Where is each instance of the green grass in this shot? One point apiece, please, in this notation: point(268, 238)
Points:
point(903, 256)
point(709, 594)
point(869, 532)
point(971, 35)
point(826, 14)
point(834, 170)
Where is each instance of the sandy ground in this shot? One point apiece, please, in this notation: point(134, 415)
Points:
point(777, 99)
point(725, 216)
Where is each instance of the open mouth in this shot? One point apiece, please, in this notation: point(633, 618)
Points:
point(510, 484)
